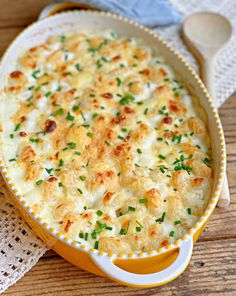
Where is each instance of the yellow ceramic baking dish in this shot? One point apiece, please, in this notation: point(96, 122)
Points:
point(137, 269)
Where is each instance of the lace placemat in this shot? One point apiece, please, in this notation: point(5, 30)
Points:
point(20, 249)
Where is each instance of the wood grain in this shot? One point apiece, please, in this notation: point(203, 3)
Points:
point(20, 13)
point(212, 270)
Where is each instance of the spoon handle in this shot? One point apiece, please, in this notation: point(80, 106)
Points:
point(207, 74)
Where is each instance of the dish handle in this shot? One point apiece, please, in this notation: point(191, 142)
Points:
point(106, 264)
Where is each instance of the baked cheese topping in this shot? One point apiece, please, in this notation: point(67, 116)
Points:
point(105, 142)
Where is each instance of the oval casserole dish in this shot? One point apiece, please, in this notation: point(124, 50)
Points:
point(142, 270)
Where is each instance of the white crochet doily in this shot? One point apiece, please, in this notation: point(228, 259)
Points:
point(20, 249)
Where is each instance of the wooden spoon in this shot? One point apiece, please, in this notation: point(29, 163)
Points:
point(205, 34)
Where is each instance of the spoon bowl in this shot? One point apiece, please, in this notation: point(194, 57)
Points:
point(209, 32)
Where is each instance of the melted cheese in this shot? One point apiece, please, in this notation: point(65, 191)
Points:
point(105, 143)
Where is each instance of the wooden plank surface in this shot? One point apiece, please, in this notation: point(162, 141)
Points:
point(212, 270)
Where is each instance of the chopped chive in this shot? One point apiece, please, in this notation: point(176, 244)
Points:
point(162, 111)
point(94, 235)
point(162, 218)
point(161, 156)
point(120, 137)
point(139, 224)
point(78, 68)
point(81, 235)
point(61, 162)
point(132, 209)
point(39, 182)
point(139, 151)
point(77, 153)
point(177, 222)
point(35, 74)
point(159, 139)
point(207, 161)
point(124, 130)
point(108, 227)
point(80, 191)
point(48, 94)
point(96, 245)
point(101, 225)
point(126, 99)
point(31, 87)
point(62, 38)
point(122, 231)
point(172, 233)
point(59, 111)
point(34, 140)
point(99, 212)
point(119, 82)
point(12, 159)
point(60, 184)
point(75, 108)
point(11, 136)
point(176, 138)
point(99, 64)
point(181, 157)
point(59, 88)
point(90, 135)
point(70, 117)
point(82, 178)
point(49, 170)
point(143, 200)
point(145, 111)
point(104, 59)
point(138, 229)
point(189, 210)
point(162, 169)
point(71, 145)
point(17, 127)
point(95, 115)
point(86, 236)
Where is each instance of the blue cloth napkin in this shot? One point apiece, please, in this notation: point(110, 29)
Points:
point(151, 13)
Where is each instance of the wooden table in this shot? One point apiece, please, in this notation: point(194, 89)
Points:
point(212, 270)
